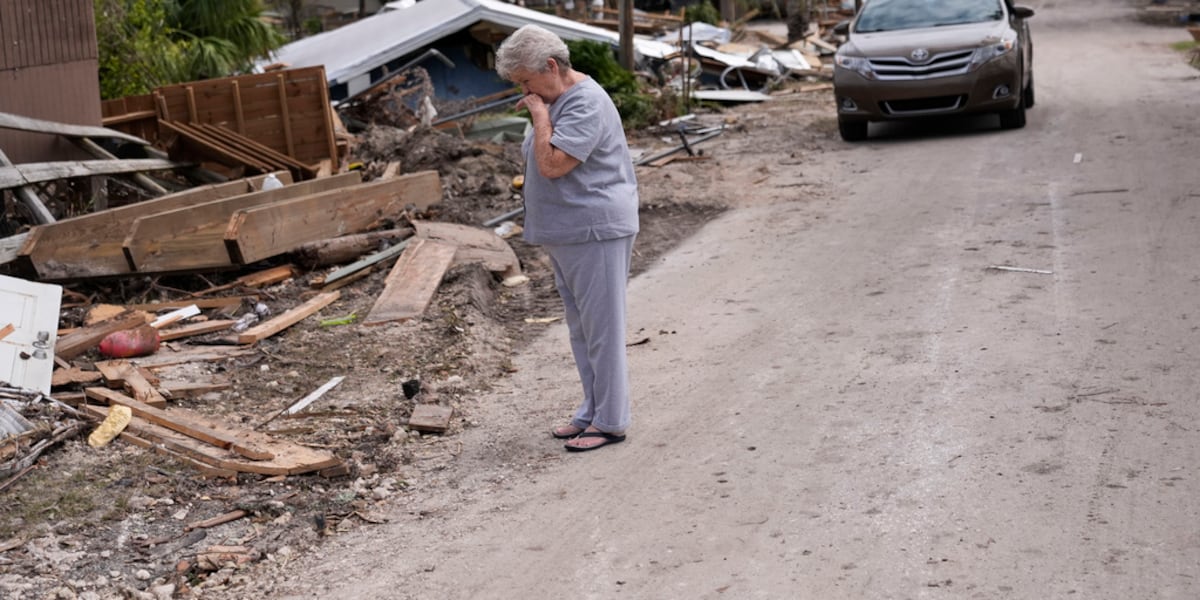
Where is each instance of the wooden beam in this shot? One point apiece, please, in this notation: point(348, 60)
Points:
point(6, 330)
point(180, 423)
point(475, 245)
point(11, 121)
point(412, 283)
point(29, 173)
point(272, 230)
point(193, 237)
point(28, 196)
point(273, 326)
point(90, 245)
point(284, 118)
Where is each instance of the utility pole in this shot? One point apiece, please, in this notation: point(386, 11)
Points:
point(625, 31)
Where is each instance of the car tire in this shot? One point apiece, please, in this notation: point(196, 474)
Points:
point(852, 131)
point(1013, 119)
point(1027, 96)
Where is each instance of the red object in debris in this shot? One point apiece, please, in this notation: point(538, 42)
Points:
point(139, 341)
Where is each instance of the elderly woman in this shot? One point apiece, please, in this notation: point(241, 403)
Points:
point(581, 205)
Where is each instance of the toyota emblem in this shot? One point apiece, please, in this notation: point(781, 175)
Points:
point(920, 54)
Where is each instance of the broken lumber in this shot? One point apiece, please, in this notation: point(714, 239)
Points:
point(347, 248)
point(289, 458)
point(164, 358)
point(121, 374)
point(30, 173)
point(193, 237)
point(199, 328)
point(18, 122)
point(412, 282)
point(91, 245)
point(266, 231)
point(475, 245)
point(7, 329)
point(273, 326)
point(85, 338)
point(181, 423)
point(431, 418)
point(10, 247)
point(254, 280)
point(29, 197)
point(72, 375)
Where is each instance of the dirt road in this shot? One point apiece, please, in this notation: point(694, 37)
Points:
point(839, 399)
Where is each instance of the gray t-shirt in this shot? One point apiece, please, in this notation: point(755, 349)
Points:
point(598, 199)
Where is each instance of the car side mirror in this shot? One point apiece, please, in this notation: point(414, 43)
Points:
point(843, 28)
point(1022, 12)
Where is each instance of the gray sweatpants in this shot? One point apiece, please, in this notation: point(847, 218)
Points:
point(591, 279)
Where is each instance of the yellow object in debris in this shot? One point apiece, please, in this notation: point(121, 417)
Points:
point(518, 181)
point(355, 166)
point(118, 418)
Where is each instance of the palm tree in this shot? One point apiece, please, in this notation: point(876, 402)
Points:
point(221, 37)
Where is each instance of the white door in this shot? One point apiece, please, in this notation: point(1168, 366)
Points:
point(27, 354)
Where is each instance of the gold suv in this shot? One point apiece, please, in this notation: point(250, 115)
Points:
point(907, 59)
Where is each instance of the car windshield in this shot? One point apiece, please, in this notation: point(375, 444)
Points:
point(887, 15)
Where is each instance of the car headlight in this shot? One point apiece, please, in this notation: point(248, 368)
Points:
point(993, 50)
point(857, 64)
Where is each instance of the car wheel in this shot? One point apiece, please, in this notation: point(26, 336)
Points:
point(1013, 119)
point(852, 131)
point(1028, 95)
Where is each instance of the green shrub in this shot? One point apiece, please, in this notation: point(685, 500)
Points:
point(703, 12)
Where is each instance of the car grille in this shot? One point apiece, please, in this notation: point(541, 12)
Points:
point(939, 65)
point(923, 105)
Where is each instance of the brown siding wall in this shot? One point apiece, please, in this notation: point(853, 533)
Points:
point(48, 70)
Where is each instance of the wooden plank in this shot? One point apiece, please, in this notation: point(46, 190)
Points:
point(188, 453)
point(430, 417)
point(205, 146)
point(273, 326)
point(6, 330)
point(290, 458)
point(248, 145)
point(97, 152)
point(257, 279)
point(181, 422)
point(271, 230)
point(90, 245)
point(193, 237)
point(30, 173)
point(73, 375)
point(165, 358)
point(18, 122)
point(192, 389)
point(475, 245)
point(10, 247)
point(122, 374)
point(192, 329)
point(85, 338)
point(413, 281)
point(29, 197)
point(223, 302)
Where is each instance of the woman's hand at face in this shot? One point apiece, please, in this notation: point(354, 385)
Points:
point(533, 103)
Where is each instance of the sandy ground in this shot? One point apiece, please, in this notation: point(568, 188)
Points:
point(838, 397)
point(840, 400)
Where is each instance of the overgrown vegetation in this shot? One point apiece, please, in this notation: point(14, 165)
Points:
point(701, 12)
point(148, 43)
point(1192, 49)
point(638, 105)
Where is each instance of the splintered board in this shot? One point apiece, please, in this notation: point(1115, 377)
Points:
point(412, 282)
point(266, 231)
point(91, 245)
point(193, 237)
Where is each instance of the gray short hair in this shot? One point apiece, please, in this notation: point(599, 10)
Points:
point(528, 49)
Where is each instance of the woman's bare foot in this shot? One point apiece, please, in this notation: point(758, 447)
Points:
point(566, 432)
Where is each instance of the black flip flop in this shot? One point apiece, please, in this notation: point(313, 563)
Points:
point(609, 438)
